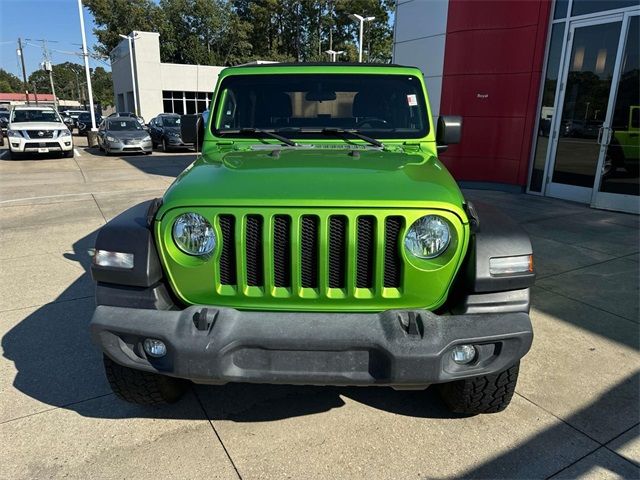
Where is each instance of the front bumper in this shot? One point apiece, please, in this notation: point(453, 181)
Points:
point(402, 348)
point(120, 147)
point(176, 142)
point(45, 145)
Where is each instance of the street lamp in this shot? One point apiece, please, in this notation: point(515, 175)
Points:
point(361, 20)
point(333, 55)
point(130, 39)
point(87, 72)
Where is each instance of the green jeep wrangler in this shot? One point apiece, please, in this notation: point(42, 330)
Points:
point(317, 240)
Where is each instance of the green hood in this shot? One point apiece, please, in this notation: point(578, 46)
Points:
point(316, 177)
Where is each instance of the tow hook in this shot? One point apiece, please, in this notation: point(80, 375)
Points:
point(411, 323)
point(205, 319)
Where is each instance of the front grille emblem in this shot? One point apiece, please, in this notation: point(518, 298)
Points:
point(40, 133)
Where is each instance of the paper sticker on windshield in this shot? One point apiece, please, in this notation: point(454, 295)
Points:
point(412, 100)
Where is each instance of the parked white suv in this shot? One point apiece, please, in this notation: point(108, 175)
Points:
point(38, 130)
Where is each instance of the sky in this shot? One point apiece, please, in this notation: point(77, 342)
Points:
point(53, 20)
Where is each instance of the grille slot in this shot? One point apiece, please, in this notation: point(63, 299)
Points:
point(33, 134)
point(228, 253)
point(309, 252)
point(392, 260)
point(282, 251)
point(365, 243)
point(337, 251)
point(253, 249)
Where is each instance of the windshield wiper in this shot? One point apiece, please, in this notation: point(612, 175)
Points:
point(257, 131)
point(355, 133)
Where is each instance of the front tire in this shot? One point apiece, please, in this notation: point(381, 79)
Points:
point(486, 394)
point(142, 388)
point(68, 154)
point(15, 155)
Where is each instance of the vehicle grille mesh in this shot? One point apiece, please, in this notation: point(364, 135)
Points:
point(228, 255)
point(337, 251)
point(309, 251)
point(253, 245)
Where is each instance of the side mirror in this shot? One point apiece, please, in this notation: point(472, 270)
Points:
point(449, 131)
point(191, 130)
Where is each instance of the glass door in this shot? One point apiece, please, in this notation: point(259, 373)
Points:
point(618, 177)
point(583, 127)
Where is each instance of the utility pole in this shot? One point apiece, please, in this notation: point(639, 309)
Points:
point(24, 71)
point(35, 92)
point(47, 67)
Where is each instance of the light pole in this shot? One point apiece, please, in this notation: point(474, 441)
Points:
point(130, 39)
point(333, 55)
point(361, 20)
point(86, 68)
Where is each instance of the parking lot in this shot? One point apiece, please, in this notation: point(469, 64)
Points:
point(575, 412)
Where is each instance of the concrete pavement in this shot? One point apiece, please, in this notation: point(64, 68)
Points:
point(575, 412)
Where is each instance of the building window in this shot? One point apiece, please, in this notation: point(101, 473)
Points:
point(185, 102)
point(547, 107)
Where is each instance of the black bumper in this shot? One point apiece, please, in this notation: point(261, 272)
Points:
point(399, 348)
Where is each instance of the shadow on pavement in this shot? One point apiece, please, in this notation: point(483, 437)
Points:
point(524, 459)
point(164, 164)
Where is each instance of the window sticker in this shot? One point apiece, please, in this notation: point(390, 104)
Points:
point(412, 100)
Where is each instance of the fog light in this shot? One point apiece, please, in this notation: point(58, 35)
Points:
point(463, 354)
point(155, 348)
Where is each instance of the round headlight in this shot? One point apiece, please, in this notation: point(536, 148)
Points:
point(193, 234)
point(428, 237)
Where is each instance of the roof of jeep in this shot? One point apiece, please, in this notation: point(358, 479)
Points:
point(318, 68)
point(322, 64)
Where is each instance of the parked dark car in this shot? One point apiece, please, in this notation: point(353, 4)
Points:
point(165, 132)
point(123, 135)
point(4, 119)
point(84, 122)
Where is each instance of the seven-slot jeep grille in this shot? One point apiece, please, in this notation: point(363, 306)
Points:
point(309, 251)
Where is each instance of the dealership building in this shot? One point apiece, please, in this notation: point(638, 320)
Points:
point(548, 92)
point(143, 84)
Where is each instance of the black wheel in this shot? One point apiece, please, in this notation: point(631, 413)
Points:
point(486, 394)
point(14, 155)
point(143, 388)
point(68, 154)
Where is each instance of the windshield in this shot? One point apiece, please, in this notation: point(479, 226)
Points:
point(171, 121)
point(381, 106)
point(123, 125)
point(35, 116)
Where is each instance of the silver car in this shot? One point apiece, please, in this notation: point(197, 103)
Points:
point(123, 135)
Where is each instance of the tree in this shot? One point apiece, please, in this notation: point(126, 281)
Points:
point(9, 83)
point(70, 82)
point(205, 32)
point(228, 32)
point(102, 86)
point(114, 17)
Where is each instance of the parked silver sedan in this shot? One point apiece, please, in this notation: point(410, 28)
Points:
point(123, 135)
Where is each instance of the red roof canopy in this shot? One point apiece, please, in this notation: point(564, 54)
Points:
point(16, 97)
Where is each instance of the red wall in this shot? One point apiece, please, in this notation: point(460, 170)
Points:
point(494, 53)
